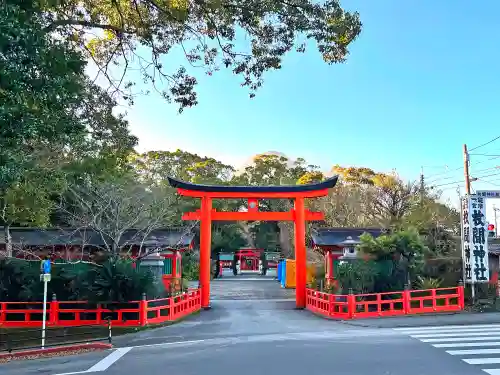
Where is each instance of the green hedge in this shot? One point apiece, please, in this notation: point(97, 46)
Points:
point(116, 281)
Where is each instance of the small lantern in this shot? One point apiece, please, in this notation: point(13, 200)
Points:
point(349, 247)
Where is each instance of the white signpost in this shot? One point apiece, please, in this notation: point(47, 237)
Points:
point(45, 278)
point(475, 240)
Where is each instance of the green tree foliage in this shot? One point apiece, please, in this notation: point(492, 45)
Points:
point(207, 33)
point(404, 249)
point(117, 281)
point(358, 276)
point(57, 126)
point(156, 166)
point(111, 282)
point(41, 80)
point(227, 238)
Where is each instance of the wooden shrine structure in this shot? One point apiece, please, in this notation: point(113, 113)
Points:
point(299, 215)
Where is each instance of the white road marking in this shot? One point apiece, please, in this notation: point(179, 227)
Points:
point(168, 344)
point(473, 351)
point(456, 334)
point(432, 328)
point(104, 363)
point(478, 337)
point(467, 344)
point(453, 330)
point(481, 361)
point(455, 339)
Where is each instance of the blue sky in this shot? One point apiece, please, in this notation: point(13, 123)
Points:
point(422, 79)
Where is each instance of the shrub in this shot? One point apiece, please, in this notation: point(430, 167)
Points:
point(16, 280)
point(118, 281)
point(360, 276)
point(428, 283)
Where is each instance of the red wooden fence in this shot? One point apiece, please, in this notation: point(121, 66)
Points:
point(127, 314)
point(353, 306)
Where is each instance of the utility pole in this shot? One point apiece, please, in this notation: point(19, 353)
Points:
point(495, 211)
point(466, 170)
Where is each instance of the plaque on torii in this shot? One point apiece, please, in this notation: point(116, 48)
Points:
point(298, 214)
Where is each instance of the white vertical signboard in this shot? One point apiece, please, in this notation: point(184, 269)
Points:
point(478, 240)
point(466, 246)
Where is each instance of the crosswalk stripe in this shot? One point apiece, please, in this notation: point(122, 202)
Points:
point(466, 344)
point(455, 334)
point(473, 351)
point(461, 339)
point(481, 361)
point(435, 332)
point(432, 328)
point(483, 341)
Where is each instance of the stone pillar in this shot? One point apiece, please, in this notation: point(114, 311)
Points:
point(154, 263)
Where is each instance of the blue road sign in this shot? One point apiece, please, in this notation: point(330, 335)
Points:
point(46, 266)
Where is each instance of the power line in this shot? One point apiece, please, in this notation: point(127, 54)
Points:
point(480, 170)
point(484, 144)
point(491, 183)
point(490, 175)
point(458, 169)
point(472, 179)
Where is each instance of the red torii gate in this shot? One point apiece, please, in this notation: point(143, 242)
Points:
point(299, 215)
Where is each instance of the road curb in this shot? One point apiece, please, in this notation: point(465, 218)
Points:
point(55, 350)
point(429, 319)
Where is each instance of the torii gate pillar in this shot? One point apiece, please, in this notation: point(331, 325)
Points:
point(205, 250)
point(300, 253)
point(299, 215)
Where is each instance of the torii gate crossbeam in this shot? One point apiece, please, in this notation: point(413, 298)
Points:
point(299, 215)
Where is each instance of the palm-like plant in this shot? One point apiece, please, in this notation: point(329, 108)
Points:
point(117, 281)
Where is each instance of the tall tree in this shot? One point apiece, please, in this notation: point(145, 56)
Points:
point(391, 199)
point(156, 166)
point(41, 80)
point(208, 34)
point(116, 206)
point(53, 119)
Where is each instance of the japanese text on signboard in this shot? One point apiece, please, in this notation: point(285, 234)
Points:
point(478, 242)
point(466, 240)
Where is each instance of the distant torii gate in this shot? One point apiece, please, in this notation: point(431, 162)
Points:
point(299, 215)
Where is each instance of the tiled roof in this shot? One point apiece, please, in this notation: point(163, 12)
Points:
point(164, 237)
point(335, 236)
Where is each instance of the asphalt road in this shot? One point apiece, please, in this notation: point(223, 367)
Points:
point(263, 334)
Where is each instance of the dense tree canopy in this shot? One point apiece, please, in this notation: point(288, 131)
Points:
point(208, 34)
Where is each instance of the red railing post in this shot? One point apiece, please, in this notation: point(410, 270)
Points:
point(3, 308)
point(143, 311)
point(461, 295)
point(331, 305)
point(434, 301)
point(54, 311)
point(407, 300)
point(351, 304)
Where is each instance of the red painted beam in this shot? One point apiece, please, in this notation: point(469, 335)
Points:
point(254, 216)
point(232, 195)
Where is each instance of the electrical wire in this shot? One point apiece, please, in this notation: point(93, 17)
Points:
point(491, 183)
point(473, 179)
point(459, 169)
point(484, 144)
point(480, 170)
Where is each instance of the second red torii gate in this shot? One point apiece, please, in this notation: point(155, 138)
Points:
point(299, 215)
